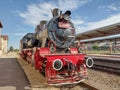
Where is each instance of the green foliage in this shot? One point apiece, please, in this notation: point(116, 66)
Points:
point(95, 47)
point(11, 48)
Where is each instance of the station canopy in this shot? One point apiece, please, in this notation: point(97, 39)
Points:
point(109, 30)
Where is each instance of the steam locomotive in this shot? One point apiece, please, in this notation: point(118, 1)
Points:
point(51, 50)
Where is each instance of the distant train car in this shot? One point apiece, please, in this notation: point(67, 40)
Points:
point(50, 50)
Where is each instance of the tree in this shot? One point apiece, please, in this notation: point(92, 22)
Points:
point(95, 47)
point(11, 48)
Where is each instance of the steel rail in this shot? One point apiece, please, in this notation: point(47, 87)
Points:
point(107, 64)
point(81, 85)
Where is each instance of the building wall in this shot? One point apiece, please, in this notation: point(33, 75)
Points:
point(3, 44)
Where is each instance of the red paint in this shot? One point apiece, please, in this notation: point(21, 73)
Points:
point(73, 68)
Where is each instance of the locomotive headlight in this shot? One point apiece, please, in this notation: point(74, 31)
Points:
point(89, 62)
point(57, 64)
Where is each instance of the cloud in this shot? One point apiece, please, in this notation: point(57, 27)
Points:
point(19, 34)
point(112, 7)
point(15, 34)
point(71, 4)
point(77, 22)
point(42, 11)
point(105, 22)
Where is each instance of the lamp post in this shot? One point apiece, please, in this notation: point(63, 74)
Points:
point(0, 34)
point(1, 26)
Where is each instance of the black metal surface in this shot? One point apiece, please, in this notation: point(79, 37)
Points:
point(60, 36)
point(25, 39)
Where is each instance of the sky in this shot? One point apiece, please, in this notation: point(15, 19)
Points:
point(20, 17)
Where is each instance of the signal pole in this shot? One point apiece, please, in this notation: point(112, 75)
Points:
point(0, 34)
point(0, 27)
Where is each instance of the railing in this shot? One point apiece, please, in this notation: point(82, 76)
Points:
point(102, 50)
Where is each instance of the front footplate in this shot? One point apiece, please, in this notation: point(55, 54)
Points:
point(65, 69)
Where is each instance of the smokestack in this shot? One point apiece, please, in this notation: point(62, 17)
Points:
point(56, 12)
point(42, 22)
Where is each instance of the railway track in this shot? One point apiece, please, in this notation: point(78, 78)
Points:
point(79, 86)
point(107, 68)
point(108, 64)
point(87, 86)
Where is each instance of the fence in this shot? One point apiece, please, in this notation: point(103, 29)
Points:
point(100, 49)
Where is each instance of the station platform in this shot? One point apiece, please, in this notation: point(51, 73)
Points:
point(12, 76)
